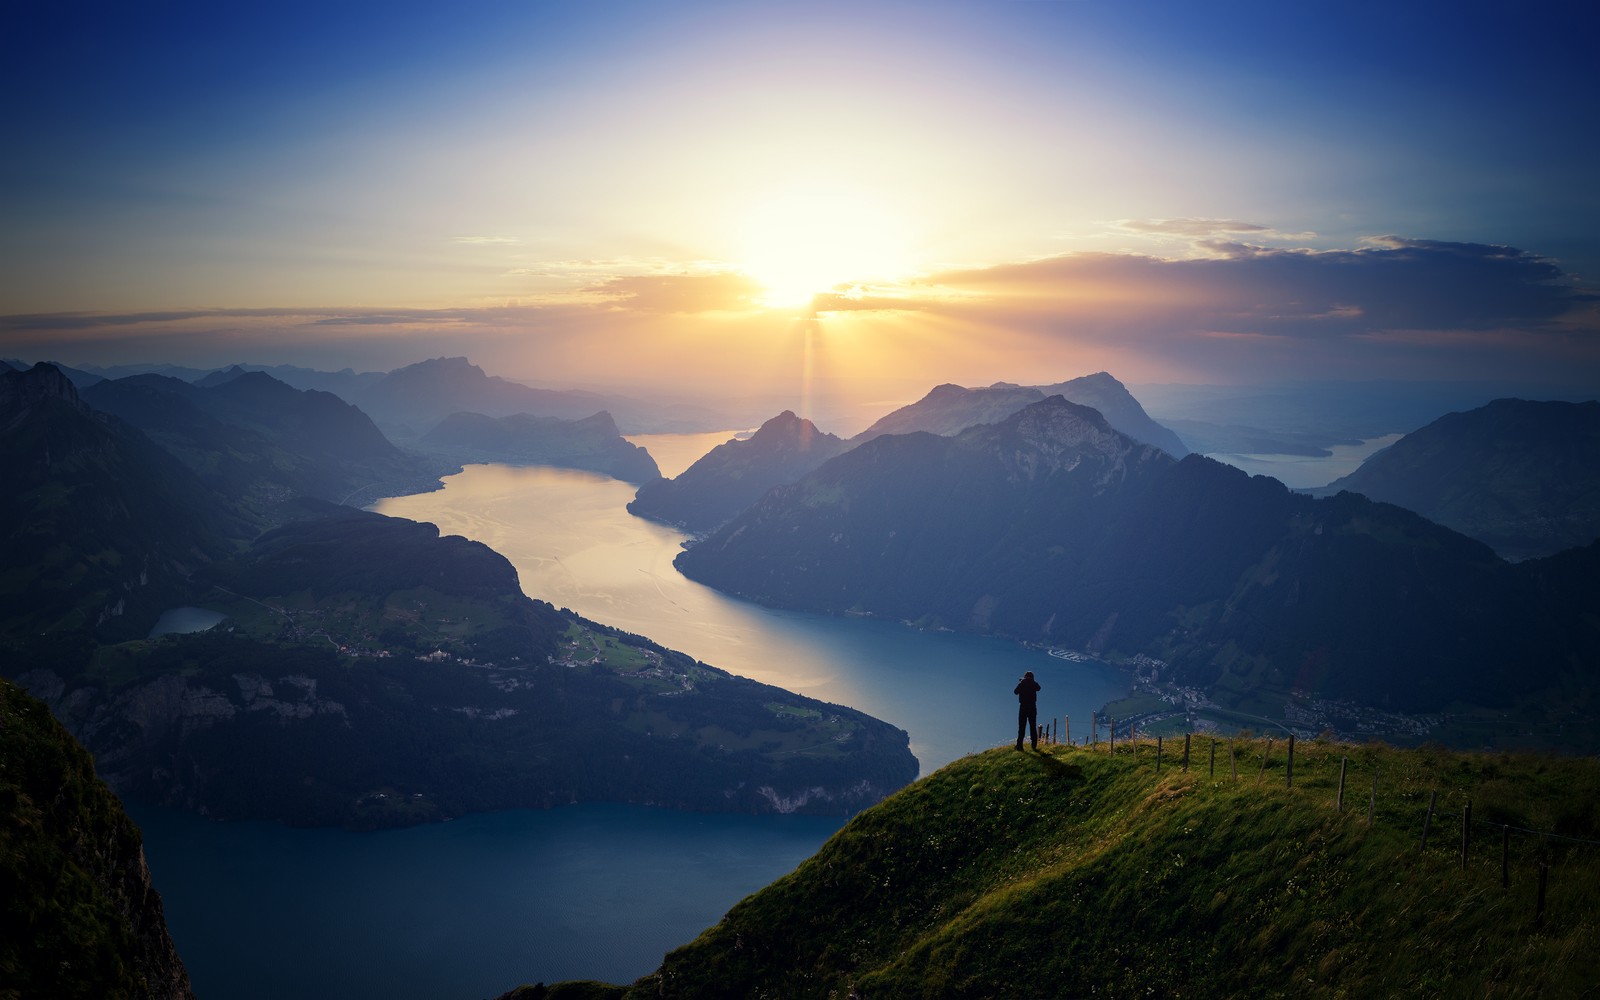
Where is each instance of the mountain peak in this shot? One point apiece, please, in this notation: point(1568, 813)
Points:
point(19, 389)
point(1056, 435)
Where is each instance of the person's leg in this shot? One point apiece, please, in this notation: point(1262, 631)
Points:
point(1022, 721)
point(1033, 727)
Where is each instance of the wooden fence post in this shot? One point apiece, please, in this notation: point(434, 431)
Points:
point(1427, 820)
point(1288, 774)
point(1185, 753)
point(1466, 831)
point(1113, 730)
point(1233, 762)
point(1067, 728)
point(1158, 755)
point(1094, 727)
point(1213, 772)
point(1338, 803)
point(1264, 754)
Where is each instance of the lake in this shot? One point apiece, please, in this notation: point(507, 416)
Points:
point(476, 906)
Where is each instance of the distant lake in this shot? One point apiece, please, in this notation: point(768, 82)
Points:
point(176, 620)
point(466, 909)
point(595, 891)
point(1302, 472)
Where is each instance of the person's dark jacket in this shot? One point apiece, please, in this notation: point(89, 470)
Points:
point(1027, 691)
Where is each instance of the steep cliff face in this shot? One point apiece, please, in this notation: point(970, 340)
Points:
point(78, 915)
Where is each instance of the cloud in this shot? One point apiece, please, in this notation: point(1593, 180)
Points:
point(725, 291)
point(1191, 228)
point(1393, 307)
point(1391, 284)
point(1197, 232)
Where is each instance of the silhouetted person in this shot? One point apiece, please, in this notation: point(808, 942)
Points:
point(1027, 692)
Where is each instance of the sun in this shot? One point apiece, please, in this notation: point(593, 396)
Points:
point(806, 241)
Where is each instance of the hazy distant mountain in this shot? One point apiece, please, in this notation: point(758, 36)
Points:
point(1053, 527)
point(592, 443)
point(1522, 477)
point(102, 527)
point(345, 383)
point(258, 440)
point(951, 409)
point(415, 398)
point(182, 372)
point(736, 474)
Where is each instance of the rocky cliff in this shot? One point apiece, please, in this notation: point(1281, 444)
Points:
point(78, 915)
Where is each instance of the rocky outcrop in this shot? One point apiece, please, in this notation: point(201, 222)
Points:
point(80, 917)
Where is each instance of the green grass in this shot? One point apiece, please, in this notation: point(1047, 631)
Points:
point(1100, 877)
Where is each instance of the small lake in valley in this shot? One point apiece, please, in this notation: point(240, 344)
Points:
point(479, 905)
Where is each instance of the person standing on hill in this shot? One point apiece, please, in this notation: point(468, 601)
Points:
point(1027, 692)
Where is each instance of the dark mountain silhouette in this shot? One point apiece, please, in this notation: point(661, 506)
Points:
point(593, 443)
point(259, 441)
point(1522, 477)
point(736, 474)
point(1053, 527)
point(102, 527)
point(80, 916)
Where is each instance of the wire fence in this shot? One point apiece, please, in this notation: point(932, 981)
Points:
point(1352, 777)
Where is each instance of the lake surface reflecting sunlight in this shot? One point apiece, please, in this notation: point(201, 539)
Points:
point(477, 906)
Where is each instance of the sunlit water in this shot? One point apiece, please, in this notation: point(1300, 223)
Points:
point(575, 545)
point(474, 907)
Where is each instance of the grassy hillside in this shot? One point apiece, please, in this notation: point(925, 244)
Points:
point(1070, 872)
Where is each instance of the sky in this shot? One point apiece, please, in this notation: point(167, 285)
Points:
point(713, 196)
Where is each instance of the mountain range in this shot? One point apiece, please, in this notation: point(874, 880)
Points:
point(951, 409)
point(1053, 527)
point(592, 443)
point(102, 528)
point(735, 474)
point(368, 672)
point(1522, 477)
point(257, 440)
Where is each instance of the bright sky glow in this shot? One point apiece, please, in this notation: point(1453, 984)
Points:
point(810, 240)
point(626, 189)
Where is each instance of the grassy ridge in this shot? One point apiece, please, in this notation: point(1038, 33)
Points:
point(1069, 872)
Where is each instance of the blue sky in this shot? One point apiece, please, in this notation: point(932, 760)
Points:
point(976, 191)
